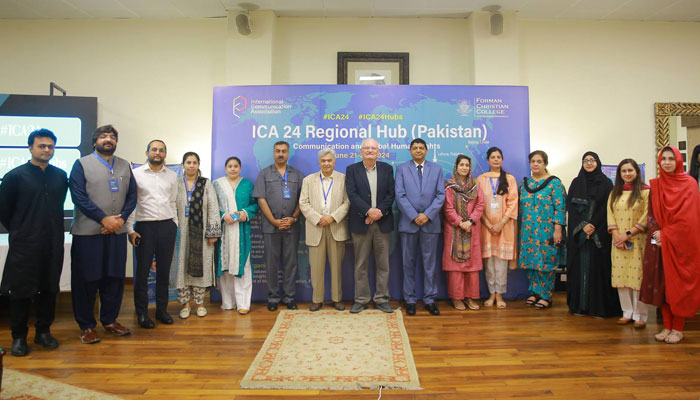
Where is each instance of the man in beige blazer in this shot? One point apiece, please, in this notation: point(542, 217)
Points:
point(324, 202)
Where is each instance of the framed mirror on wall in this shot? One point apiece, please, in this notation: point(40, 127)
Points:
point(678, 124)
point(365, 68)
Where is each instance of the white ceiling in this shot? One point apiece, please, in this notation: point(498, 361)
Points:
point(641, 10)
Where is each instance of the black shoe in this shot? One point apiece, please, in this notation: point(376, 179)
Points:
point(145, 322)
point(46, 340)
point(272, 306)
point(432, 309)
point(411, 309)
point(164, 317)
point(292, 305)
point(384, 307)
point(357, 307)
point(19, 347)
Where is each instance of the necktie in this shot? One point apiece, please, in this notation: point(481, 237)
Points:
point(420, 175)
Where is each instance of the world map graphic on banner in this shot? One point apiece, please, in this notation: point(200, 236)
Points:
point(248, 120)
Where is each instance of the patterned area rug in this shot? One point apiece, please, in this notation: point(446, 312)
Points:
point(22, 386)
point(334, 350)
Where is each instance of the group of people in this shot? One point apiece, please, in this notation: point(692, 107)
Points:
point(626, 245)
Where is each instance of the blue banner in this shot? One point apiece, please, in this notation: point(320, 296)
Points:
point(248, 120)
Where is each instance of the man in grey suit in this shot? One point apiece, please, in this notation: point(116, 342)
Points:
point(420, 193)
point(325, 204)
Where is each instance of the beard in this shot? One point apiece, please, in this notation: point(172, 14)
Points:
point(155, 162)
point(101, 149)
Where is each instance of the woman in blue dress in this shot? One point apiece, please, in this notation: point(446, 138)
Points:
point(541, 220)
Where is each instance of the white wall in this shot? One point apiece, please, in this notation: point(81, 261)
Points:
point(593, 86)
point(306, 48)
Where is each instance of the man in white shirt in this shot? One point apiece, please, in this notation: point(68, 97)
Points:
point(154, 232)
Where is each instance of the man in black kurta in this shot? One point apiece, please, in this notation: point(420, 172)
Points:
point(31, 208)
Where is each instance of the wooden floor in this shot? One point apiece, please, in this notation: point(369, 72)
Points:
point(487, 354)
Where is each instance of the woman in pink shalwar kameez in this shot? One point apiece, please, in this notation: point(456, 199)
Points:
point(461, 256)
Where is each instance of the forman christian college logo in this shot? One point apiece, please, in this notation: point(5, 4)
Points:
point(240, 103)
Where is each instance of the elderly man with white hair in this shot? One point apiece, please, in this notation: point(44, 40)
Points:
point(324, 203)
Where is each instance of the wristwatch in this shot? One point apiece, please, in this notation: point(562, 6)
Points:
point(471, 221)
point(629, 233)
point(294, 218)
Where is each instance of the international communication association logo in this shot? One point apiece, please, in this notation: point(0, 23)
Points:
point(464, 108)
point(240, 103)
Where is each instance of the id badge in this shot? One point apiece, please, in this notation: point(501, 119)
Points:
point(495, 205)
point(286, 193)
point(325, 210)
point(187, 211)
point(113, 184)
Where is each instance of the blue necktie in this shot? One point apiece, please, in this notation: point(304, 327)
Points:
point(420, 175)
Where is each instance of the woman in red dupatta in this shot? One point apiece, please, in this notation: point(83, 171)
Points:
point(672, 278)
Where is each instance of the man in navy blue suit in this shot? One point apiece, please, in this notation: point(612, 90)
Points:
point(370, 187)
point(420, 193)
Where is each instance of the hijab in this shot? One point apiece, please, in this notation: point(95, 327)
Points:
point(588, 185)
point(676, 207)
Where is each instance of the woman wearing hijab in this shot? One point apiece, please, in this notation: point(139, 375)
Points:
point(461, 256)
point(671, 278)
point(627, 223)
point(541, 220)
point(589, 289)
point(694, 169)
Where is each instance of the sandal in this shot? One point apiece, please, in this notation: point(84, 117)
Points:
point(674, 337)
point(542, 306)
point(472, 305)
point(458, 304)
point(661, 336)
point(489, 302)
point(532, 300)
point(501, 304)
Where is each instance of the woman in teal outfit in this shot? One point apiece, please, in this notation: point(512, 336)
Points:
point(237, 207)
point(541, 220)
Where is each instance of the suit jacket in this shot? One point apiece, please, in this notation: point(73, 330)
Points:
point(311, 206)
point(357, 186)
point(413, 198)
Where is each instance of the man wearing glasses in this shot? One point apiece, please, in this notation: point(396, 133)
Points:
point(370, 187)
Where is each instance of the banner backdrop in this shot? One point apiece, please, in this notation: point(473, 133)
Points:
point(248, 120)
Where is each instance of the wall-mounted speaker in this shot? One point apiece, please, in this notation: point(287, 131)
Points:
point(243, 24)
point(496, 24)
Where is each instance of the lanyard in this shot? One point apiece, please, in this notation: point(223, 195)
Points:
point(323, 189)
point(284, 177)
point(494, 188)
point(189, 190)
point(111, 169)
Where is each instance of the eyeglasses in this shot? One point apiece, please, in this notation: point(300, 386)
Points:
point(589, 161)
point(370, 148)
point(111, 137)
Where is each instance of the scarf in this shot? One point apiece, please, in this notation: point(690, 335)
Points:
point(676, 207)
point(195, 232)
point(588, 191)
point(463, 194)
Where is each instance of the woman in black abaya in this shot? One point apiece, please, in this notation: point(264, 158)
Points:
point(589, 289)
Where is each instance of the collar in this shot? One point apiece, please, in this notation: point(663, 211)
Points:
point(416, 164)
point(374, 168)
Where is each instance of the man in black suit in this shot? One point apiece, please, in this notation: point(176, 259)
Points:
point(370, 187)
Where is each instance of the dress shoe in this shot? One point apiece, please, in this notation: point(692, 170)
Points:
point(339, 306)
point(201, 311)
point(292, 305)
point(272, 306)
point(46, 340)
point(315, 306)
point(624, 321)
point(639, 325)
point(357, 307)
point(145, 322)
point(432, 309)
point(164, 317)
point(118, 329)
point(411, 309)
point(384, 307)
point(19, 347)
point(89, 336)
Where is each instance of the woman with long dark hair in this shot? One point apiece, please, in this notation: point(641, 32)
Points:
point(672, 256)
point(589, 290)
point(500, 192)
point(461, 256)
point(198, 230)
point(237, 207)
point(627, 222)
point(541, 220)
